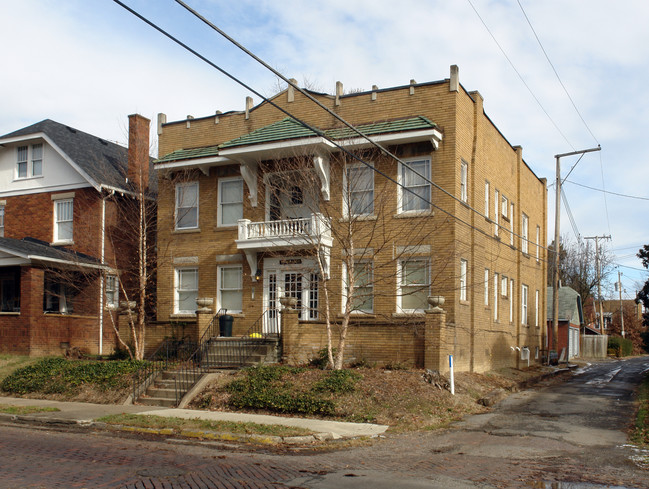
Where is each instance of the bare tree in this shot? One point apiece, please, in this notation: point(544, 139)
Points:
point(359, 244)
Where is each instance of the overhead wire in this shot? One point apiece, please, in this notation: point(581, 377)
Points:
point(511, 63)
point(529, 22)
point(314, 129)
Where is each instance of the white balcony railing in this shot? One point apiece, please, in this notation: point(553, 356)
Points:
point(312, 230)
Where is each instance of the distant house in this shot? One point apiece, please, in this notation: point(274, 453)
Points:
point(571, 318)
point(60, 189)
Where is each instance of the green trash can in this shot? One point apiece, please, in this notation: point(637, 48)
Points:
point(225, 325)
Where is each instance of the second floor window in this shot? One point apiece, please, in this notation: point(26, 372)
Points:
point(359, 190)
point(187, 205)
point(414, 177)
point(463, 271)
point(231, 200)
point(2, 220)
point(112, 291)
point(29, 161)
point(63, 220)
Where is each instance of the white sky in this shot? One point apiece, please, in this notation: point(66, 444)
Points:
point(90, 63)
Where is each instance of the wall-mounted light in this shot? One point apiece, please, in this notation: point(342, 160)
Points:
point(258, 275)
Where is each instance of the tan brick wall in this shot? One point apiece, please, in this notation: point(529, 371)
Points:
point(452, 231)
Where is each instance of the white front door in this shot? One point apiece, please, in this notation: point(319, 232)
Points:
point(289, 277)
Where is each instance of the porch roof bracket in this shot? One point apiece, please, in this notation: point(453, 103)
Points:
point(435, 140)
point(325, 260)
point(321, 165)
point(251, 256)
point(249, 174)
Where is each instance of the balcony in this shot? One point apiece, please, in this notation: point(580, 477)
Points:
point(306, 232)
point(287, 234)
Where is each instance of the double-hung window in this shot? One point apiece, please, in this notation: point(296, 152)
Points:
point(464, 181)
point(187, 205)
point(414, 285)
point(486, 286)
point(496, 294)
point(63, 220)
point(231, 200)
point(361, 288)
point(112, 291)
point(536, 309)
point(511, 224)
point(186, 293)
point(414, 189)
point(463, 269)
point(2, 220)
point(538, 242)
point(511, 300)
point(486, 198)
point(496, 212)
point(524, 292)
point(359, 190)
point(230, 288)
point(29, 161)
point(524, 234)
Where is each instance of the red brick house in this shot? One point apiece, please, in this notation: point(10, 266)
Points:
point(60, 190)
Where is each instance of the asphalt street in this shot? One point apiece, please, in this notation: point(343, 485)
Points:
point(565, 434)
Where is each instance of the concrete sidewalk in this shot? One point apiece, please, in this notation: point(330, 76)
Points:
point(86, 414)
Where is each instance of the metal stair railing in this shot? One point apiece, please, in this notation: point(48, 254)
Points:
point(170, 352)
point(214, 351)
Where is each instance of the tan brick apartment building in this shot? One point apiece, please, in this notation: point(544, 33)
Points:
point(459, 214)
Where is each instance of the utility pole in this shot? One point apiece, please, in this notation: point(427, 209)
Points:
point(599, 279)
point(619, 286)
point(557, 247)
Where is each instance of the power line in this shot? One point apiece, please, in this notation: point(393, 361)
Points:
point(555, 71)
point(608, 191)
point(519, 75)
point(314, 129)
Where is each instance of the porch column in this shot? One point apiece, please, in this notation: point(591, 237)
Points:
point(437, 343)
point(290, 333)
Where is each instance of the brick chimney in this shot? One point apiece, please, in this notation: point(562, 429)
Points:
point(138, 150)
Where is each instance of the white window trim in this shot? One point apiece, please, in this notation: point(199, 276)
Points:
point(55, 238)
point(368, 286)
point(538, 243)
point(504, 206)
point(487, 189)
point(525, 225)
point(496, 212)
point(348, 191)
point(524, 298)
point(177, 271)
point(176, 221)
point(504, 284)
point(463, 278)
point(29, 161)
point(400, 283)
point(400, 190)
point(486, 287)
point(496, 294)
point(536, 308)
point(464, 181)
point(511, 300)
point(2, 219)
point(511, 223)
point(219, 287)
point(219, 210)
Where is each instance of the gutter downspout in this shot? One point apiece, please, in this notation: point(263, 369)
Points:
point(102, 282)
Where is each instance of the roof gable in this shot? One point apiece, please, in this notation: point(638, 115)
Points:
point(99, 161)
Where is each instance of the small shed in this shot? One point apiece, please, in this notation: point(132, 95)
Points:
point(571, 318)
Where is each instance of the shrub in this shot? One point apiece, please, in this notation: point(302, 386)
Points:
point(622, 347)
point(321, 359)
point(58, 375)
point(338, 382)
point(264, 387)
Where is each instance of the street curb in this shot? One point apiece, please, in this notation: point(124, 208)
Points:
point(8, 419)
